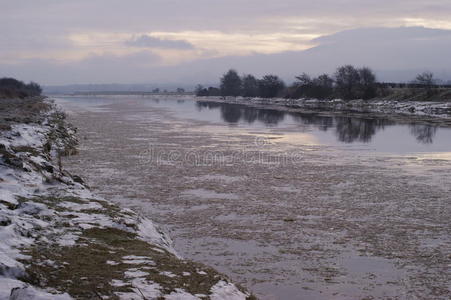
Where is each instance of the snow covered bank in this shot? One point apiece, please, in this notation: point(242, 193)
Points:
point(437, 110)
point(60, 241)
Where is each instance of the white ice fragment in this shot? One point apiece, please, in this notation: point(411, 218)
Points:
point(132, 259)
point(23, 292)
point(119, 283)
point(224, 290)
point(134, 273)
point(68, 239)
point(168, 274)
point(180, 294)
point(148, 289)
point(79, 206)
point(149, 233)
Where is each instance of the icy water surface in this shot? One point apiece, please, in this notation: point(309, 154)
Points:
point(293, 206)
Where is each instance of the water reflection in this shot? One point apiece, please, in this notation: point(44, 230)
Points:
point(347, 129)
point(350, 130)
point(230, 114)
point(423, 133)
point(234, 113)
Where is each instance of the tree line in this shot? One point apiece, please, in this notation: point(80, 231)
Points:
point(13, 88)
point(232, 84)
point(348, 82)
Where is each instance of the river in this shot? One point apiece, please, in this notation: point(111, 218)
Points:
point(291, 205)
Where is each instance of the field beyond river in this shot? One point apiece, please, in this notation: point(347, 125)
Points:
point(293, 205)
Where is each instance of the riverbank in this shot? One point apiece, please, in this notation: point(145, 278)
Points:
point(418, 111)
point(61, 241)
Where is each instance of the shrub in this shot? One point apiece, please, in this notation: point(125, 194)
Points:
point(426, 81)
point(13, 88)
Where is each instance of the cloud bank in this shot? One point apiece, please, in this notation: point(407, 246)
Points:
point(82, 37)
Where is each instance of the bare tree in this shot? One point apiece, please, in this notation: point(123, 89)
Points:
point(250, 86)
point(323, 86)
point(347, 79)
point(367, 83)
point(270, 86)
point(231, 84)
point(352, 83)
point(304, 79)
point(426, 79)
point(200, 90)
point(320, 87)
point(302, 87)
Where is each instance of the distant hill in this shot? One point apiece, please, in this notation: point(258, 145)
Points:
point(111, 88)
point(396, 54)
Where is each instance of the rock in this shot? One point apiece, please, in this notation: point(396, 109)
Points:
point(4, 221)
point(32, 208)
point(49, 168)
point(78, 179)
point(13, 161)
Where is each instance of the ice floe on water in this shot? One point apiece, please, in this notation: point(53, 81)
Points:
point(208, 194)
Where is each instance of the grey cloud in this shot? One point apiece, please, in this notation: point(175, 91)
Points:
point(44, 27)
point(378, 35)
point(146, 41)
point(59, 18)
point(141, 15)
point(395, 55)
point(137, 67)
point(140, 59)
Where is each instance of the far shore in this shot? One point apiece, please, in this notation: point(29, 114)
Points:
point(429, 112)
point(436, 113)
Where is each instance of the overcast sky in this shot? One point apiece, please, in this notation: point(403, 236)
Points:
point(39, 39)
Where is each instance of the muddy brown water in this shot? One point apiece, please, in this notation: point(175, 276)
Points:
point(293, 206)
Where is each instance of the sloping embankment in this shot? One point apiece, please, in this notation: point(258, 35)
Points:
point(59, 241)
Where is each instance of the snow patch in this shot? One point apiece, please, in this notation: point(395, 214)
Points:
point(180, 294)
point(224, 290)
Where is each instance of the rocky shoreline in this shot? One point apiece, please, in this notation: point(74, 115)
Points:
point(60, 241)
point(428, 112)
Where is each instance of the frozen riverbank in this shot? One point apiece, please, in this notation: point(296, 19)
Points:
point(60, 241)
point(432, 112)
